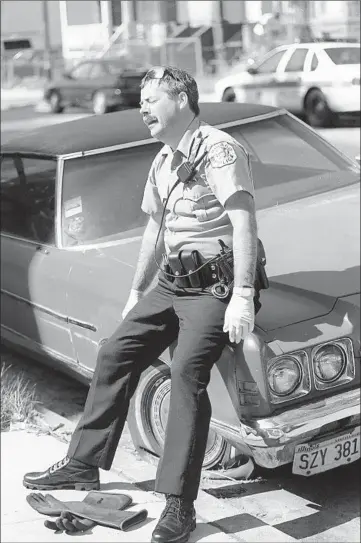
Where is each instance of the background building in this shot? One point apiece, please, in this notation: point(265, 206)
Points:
point(203, 36)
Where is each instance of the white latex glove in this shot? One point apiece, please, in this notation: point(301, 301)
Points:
point(134, 297)
point(239, 317)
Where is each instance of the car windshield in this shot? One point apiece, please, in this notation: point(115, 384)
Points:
point(102, 193)
point(344, 55)
point(289, 161)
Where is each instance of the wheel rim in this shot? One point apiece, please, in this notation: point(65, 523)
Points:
point(99, 103)
point(155, 409)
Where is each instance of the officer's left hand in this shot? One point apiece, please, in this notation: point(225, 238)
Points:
point(239, 317)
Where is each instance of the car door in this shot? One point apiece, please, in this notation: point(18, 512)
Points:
point(102, 226)
point(290, 80)
point(78, 83)
point(263, 88)
point(33, 271)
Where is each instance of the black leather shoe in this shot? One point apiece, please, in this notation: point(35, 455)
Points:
point(68, 473)
point(176, 522)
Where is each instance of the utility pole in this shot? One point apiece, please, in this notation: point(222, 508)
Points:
point(217, 30)
point(48, 63)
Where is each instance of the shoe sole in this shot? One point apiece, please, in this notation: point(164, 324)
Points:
point(69, 486)
point(183, 539)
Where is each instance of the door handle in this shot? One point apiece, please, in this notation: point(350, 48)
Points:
point(41, 249)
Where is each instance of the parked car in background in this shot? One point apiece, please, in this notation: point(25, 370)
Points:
point(70, 235)
point(317, 80)
point(99, 84)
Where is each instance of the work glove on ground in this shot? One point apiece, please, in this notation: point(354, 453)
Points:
point(70, 522)
point(239, 317)
point(50, 506)
point(81, 515)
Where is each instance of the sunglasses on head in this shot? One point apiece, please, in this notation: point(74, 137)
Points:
point(158, 72)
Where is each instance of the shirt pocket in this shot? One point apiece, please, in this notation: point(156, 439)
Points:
point(200, 196)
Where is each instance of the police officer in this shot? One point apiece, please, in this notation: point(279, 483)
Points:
point(216, 203)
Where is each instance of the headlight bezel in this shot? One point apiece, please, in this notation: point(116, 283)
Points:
point(348, 371)
point(303, 386)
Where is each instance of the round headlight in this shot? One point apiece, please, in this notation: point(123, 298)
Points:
point(284, 376)
point(329, 362)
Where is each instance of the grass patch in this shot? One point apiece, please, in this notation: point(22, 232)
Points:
point(18, 398)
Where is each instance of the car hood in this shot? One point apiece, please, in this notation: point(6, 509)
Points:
point(313, 256)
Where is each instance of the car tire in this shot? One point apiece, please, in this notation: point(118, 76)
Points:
point(55, 102)
point(229, 95)
point(148, 415)
point(317, 111)
point(100, 105)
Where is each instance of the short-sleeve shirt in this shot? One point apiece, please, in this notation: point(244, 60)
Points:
point(196, 217)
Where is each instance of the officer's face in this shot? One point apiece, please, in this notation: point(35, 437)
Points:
point(160, 111)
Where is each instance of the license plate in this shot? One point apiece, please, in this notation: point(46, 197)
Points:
point(324, 455)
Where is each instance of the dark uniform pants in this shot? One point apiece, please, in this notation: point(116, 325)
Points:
point(196, 318)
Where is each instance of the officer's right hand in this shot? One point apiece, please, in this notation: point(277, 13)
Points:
point(134, 297)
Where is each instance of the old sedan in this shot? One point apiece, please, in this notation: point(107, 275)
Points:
point(70, 233)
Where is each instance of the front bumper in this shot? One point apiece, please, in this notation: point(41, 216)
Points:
point(272, 441)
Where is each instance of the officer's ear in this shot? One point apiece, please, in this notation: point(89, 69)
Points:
point(183, 100)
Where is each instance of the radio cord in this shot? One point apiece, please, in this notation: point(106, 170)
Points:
point(191, 173)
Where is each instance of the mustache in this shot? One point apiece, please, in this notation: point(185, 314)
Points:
point(148, 120)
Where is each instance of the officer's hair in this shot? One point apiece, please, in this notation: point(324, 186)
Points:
point(177, 81)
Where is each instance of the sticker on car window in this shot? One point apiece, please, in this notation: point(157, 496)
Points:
point(73, 207)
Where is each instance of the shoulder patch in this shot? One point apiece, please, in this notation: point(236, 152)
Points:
point(222, 154)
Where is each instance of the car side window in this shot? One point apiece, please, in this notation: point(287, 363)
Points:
point(28, 198)
point(270, 65)
point(82, 71)
point(102, 194)
point(297, 61)
point(314, 62)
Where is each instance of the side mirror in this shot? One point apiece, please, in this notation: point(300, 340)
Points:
point(252, 70)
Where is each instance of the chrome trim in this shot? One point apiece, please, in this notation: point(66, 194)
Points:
point(273, 440)
point(29, 241)
point(102, 245)
point(58, 316)
point(79, 370)
point(348, 374)
point(148, 141)
point(58, 195)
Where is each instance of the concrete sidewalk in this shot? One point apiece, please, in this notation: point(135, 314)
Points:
point(23, 451)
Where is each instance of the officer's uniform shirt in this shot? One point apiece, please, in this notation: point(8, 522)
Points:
point(196, 217)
